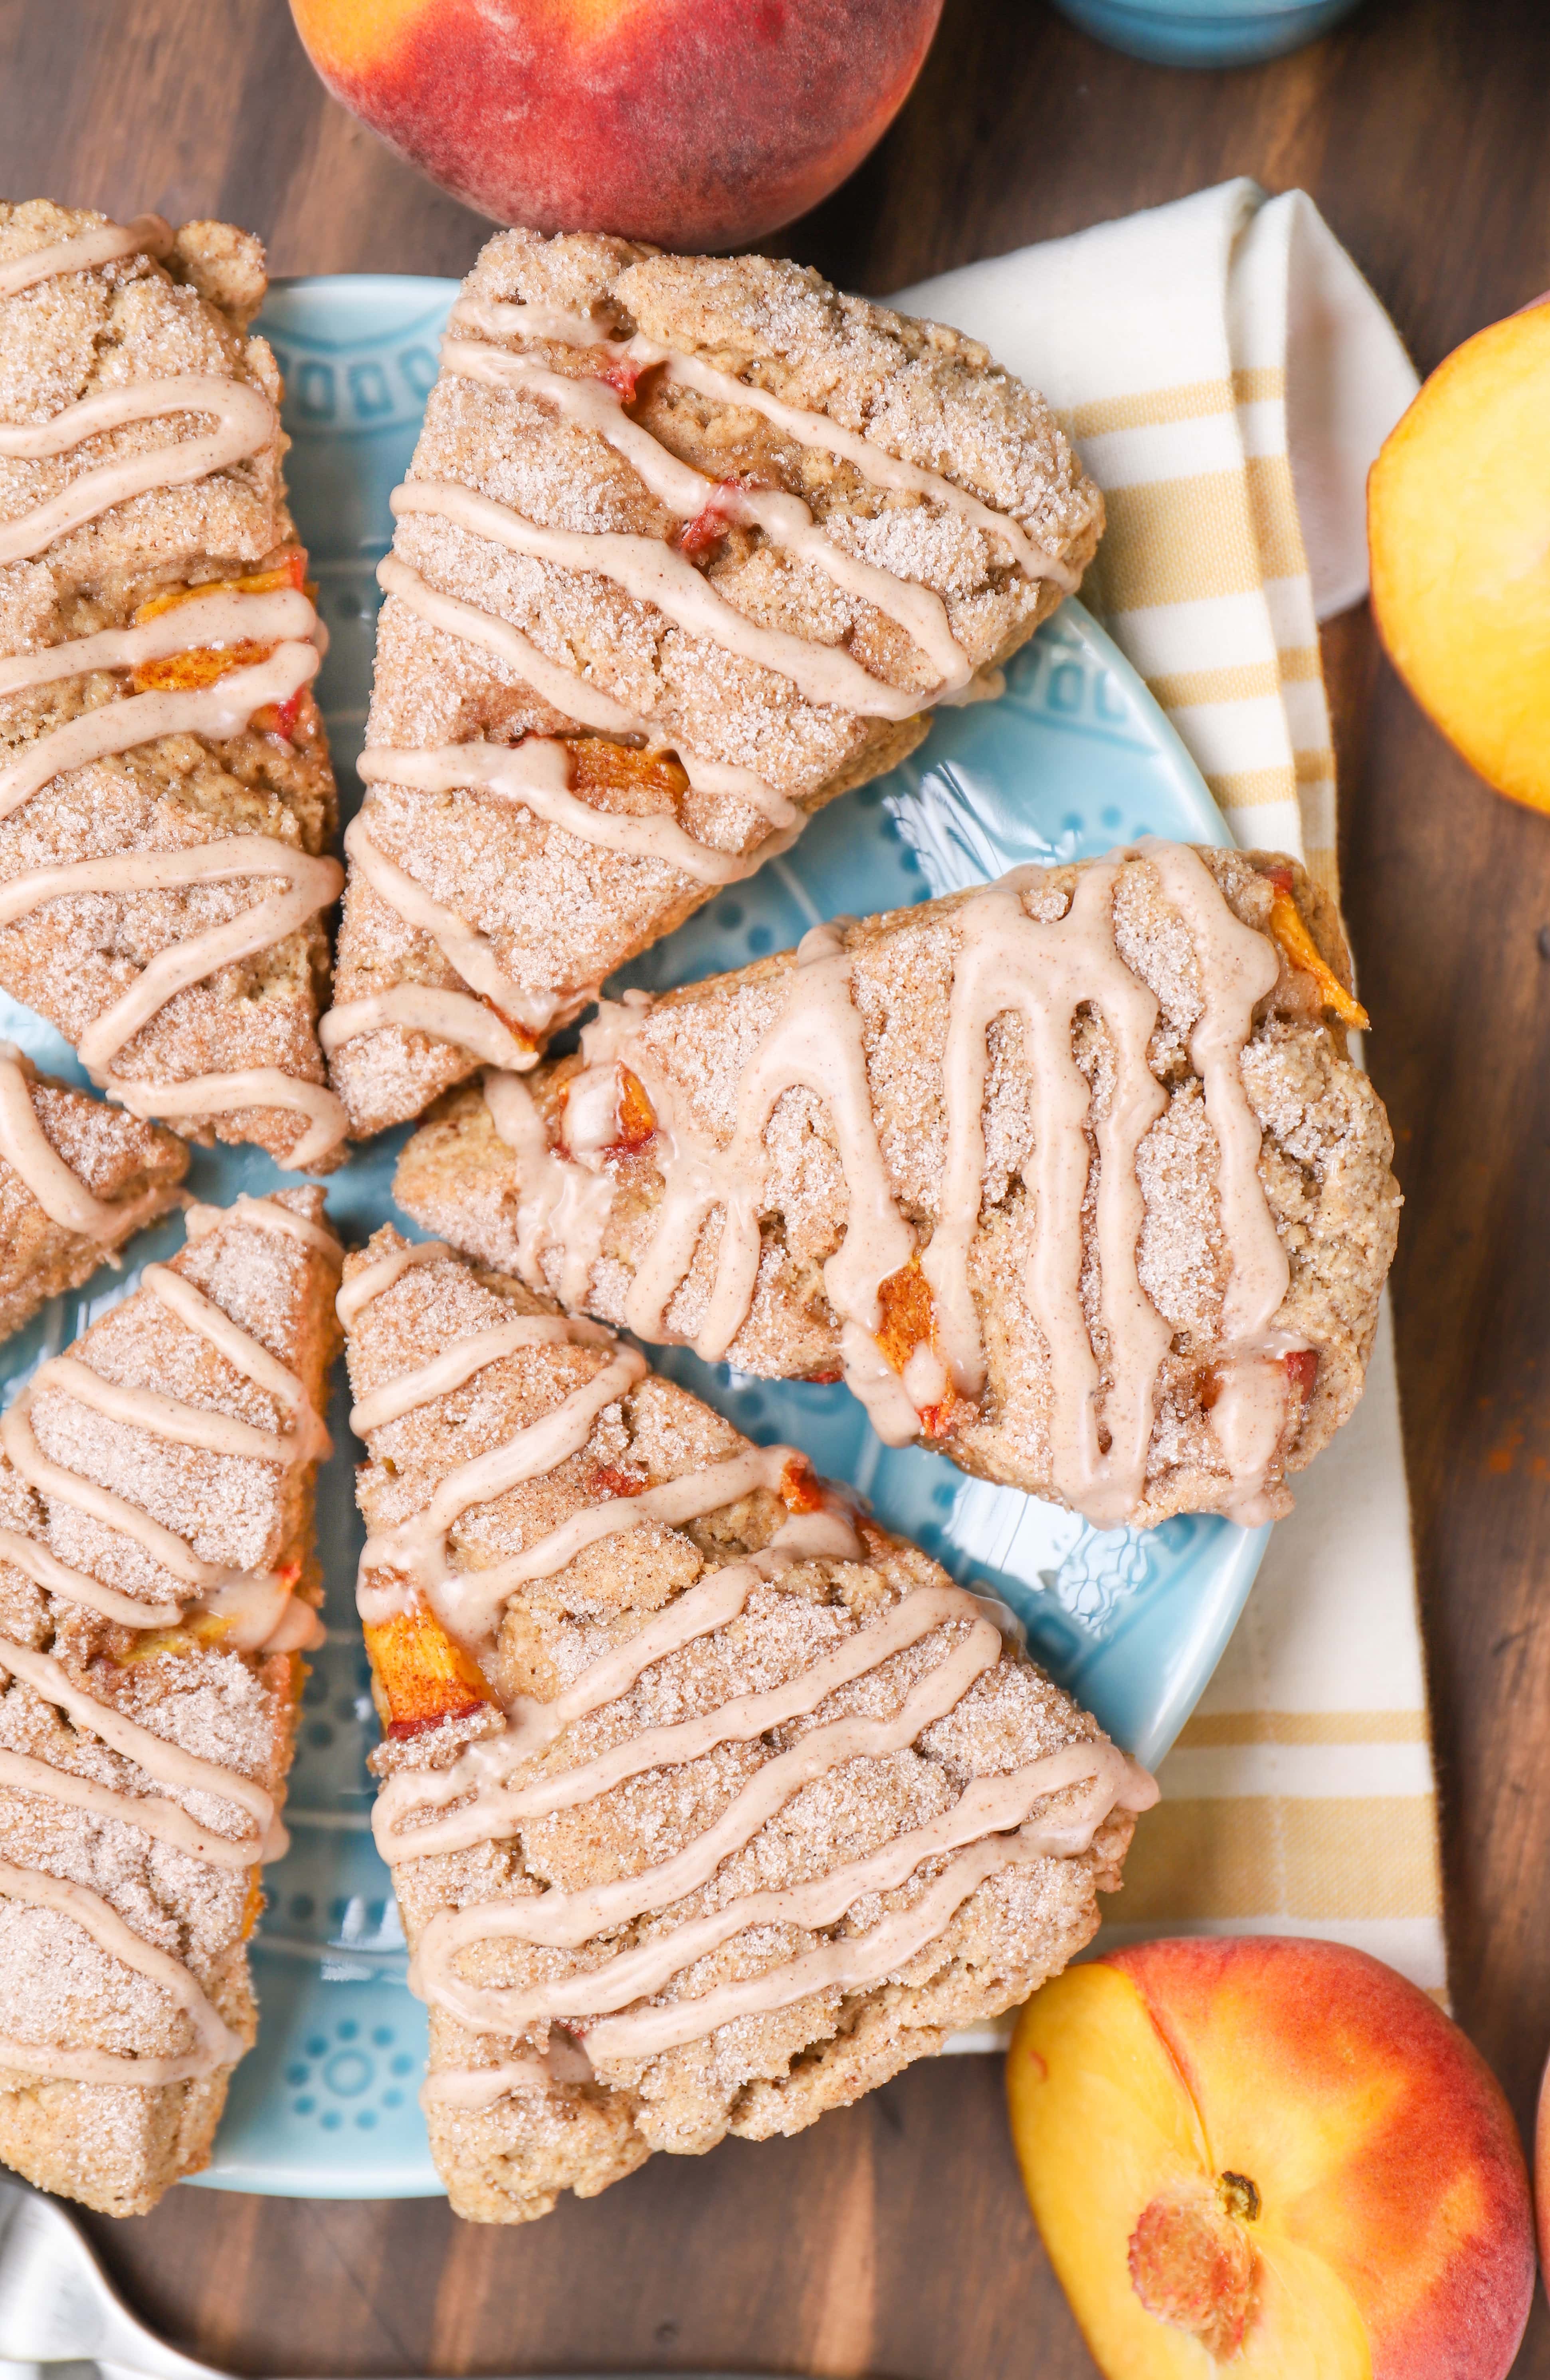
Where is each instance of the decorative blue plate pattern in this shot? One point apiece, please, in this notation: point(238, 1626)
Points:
point(1075, 758)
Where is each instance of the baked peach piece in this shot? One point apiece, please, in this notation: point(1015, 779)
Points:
point(1458, 525)
point(1275, 2156)
point(614, 116)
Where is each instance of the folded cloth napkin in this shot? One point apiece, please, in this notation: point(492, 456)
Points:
point(1229, 377)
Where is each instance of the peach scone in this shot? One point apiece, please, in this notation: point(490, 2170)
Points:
point(158, 1586)
point(710, 1805)
point(165, 796)
point(77, 1180)
point(689, 545)
point(1070, 1176)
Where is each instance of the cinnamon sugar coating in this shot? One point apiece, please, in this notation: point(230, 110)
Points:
point(116, 2145)
point(68, 338)
point(1323, 1169)
point(560, 910)
point(122, 1161)
point(580, 2123)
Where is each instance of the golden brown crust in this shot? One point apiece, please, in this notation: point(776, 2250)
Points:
point(116, 2147)
point(1325, 1169)
point(64, 339)
point(123, 1163)
point(560, 912)
point(764, 2074)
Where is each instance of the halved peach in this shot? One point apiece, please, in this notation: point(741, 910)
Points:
point(1275, 2156)
point(1459, 528)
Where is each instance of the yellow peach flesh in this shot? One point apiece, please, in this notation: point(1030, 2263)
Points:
point(1459, 526)
point(1280, 2142)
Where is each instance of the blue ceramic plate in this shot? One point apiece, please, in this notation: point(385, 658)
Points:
point(1076, 758)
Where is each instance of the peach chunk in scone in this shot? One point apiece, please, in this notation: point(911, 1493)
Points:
point(1270, 2157)
point(419, 1675)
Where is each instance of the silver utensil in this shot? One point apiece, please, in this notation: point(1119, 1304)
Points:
point(56, 2308)
point(61, 2320)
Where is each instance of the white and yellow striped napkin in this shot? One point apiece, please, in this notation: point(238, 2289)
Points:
point(1229, 377)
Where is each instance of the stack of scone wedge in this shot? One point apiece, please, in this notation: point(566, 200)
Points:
point(710, 1803)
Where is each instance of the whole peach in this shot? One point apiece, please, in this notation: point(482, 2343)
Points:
point(697, 124)
point(1274, 2155)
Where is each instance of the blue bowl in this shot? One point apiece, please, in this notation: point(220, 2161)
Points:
point(1206, 32)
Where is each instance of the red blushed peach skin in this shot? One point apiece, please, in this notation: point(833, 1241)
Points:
point(697, 124)
point(1541, 2172)
point(1459, 527)
point(1275, 2157)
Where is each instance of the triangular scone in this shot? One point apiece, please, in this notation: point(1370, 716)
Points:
point(165, 795)
point(1072, 1176)
point(157, 1585)
point(76, 1179)
point(710, 1805)
point(704, 540)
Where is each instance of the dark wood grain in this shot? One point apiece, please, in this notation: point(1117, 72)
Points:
point(893, 2238)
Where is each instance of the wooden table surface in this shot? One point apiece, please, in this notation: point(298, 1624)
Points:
point(893, 2238)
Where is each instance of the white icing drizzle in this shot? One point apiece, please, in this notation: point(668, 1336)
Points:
point(656, 573)
point(248, 424)
point(561, 1920)
point(53, 1480)
point(670, 1505)
point(1046, 972)
point(535, 773)
point(572, 694)
point(980, 1819)
point(168, 1762)
point(481, 2086)
point(84, 251)
point(285, 618)
point(416, 1551)
point(362, 1287)
point(874, 464)
point(215, 2045)
point(487, 1026)
point(310, 885)
point(413, 1558)
point(76, 1587)
point(152, 1813)
point(459, 1363)
point(257, 1606)
point(247, 1086)
point(426, 1008)
point(221, 709)
point(471, 954)
point(1238, 968)
point(784, 520)
point(227, 616)
point(182, 1424)
point(497, 1809)
point(480, 1798)
point(561, 1205)
point(264, 1215)
point(246, 1355)
point(652, 571)
point(32, 1157)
